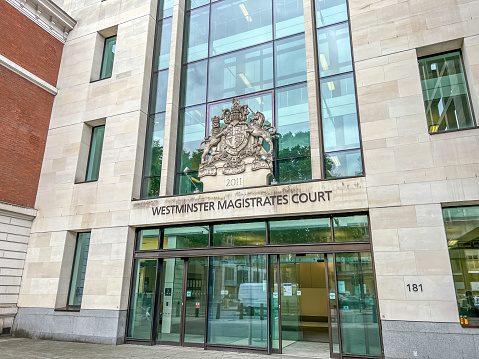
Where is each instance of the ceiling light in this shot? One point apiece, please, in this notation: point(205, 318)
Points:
point(433, 128)
point(324, 63)
point(335, 160)
point(245, 13)
point(331, 86)
point(245, 80)
point(451, 243)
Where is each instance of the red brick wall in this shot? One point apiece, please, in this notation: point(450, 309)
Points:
point(25, 111)
point(28, 45)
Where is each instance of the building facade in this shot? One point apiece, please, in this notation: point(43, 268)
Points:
point(31, 46)
point(362, 244)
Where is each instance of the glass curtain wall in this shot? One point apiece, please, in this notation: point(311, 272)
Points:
point(254, 51)
point(341, 144)
point(157, 106)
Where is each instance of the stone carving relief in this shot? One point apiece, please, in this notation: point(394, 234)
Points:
point(238, 143)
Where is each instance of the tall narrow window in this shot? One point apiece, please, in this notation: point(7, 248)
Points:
point(94, 158)
point(79, 269)
point(108, 57)
point(444, 90)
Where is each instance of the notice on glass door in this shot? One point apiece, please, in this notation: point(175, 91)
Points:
point(287, 290)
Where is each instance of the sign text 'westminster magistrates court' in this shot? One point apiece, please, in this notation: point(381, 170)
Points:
point(276, 200)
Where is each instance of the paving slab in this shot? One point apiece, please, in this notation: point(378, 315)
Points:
point(11, 347)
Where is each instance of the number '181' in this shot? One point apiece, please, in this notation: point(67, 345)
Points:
point(414, 287)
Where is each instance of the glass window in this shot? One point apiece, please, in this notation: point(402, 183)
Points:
point(294, 170)
point(330, 12)
point(237, 312)
point(317, 230)
point(288, 17)
point(188, 183)
point(357, 304)
point(94, 158)
point(290, 60)
point(141, 306)
point(192, 132)
point(108, 57)
point(351, 229)
point(462, 233)
point(241, 72)
point(79, 269)
point(185, 237)
point(165, 8)
point(158, 92)
point(292, 122)
point(239, 234)
point(196, 35)
point(339, 113)
point(334, 48)
point(343, 164)
point(171, 297)
point(163, 42)
point(236, 24)
point(445, 94)
point(192, 4)
point(148, 239)
point(193, 87)
point(196, 288)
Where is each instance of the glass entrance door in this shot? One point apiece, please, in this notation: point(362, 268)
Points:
point(304, 305)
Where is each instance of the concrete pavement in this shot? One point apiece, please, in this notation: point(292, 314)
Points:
point(41, 349)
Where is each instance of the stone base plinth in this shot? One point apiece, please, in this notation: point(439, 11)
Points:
point(249, 178)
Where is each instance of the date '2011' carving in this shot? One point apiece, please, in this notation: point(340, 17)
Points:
point(234, 181)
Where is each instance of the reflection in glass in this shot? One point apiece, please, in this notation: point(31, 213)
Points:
point(236, 24)
point(304, 303)
point(196, 287)
point(351, 228)
point(94, 158)
point(192, 4)
point(165, 8)
point(330, 12)
point(357, 304)
point(141, 306)
point(108, 57)
point(240, 234)
point(196, 35)
point(184, 183)
point(294, 170)
point(317, 230)
point(462, 232)
point(274, 301)
point(333, 307)
point(290, 60)
point(169, 317)
point(334, 49)
point(292, 122)
point(79, 269)
point(192, 132)
point(445, 94)
point(158, 92)
point(193, 86)
point(339, 113)
point(288, 17)
point(153, 156)
point(238, 301)
point(241, 72)
point(148, 239)
point(162, 45)
point(343, 164)
point(185, 237)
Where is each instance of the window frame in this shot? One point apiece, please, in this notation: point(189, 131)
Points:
point(471, 106)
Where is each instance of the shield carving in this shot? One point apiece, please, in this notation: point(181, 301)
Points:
point(236, 138)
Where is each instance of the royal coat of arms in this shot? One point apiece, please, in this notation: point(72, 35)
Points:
point(237, 144)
